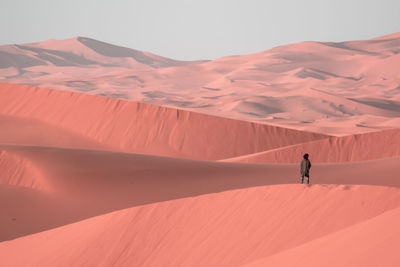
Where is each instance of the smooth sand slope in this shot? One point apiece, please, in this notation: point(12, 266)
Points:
point(102, 181)
point(141, 128)
point(196, 213)
point(378, 237)
point(226, 229)
point(332, 88)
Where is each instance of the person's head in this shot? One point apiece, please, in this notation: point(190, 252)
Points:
point(305, 156)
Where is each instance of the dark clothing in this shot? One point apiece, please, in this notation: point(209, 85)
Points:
point(305, 166)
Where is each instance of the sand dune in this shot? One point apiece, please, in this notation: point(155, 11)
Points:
point(374, 241)
point(198, 231)
point(142, 128)
point(367, 146)
point(177, 193)
point(81, 51)
point(277, 86)
point(89, 177)
point(28, 131)
point(77, 184)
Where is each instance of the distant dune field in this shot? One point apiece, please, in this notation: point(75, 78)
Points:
point(331, 88)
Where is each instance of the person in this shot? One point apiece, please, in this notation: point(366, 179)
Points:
point(305, 166)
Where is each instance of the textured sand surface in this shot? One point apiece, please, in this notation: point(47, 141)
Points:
point(136, 127)
point(332, 88)
point(90, 179)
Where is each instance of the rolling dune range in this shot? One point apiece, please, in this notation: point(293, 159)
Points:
point(332, 88)
point(115, 176)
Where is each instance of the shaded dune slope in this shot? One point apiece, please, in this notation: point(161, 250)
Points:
point(144, 128)
point(28, 131)
point(367, 146)
point(81, 52)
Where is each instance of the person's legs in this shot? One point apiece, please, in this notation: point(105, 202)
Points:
point(308, 179)
point(302, 179)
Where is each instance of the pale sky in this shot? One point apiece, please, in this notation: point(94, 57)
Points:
point(202, 29)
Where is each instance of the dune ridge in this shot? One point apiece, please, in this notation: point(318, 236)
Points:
point(143, 128)
point(126, 180)
point(358, 147)
point(229, 193)
point(196, 234)
point(20, 171)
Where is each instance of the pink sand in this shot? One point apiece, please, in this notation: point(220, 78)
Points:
point(90, 180)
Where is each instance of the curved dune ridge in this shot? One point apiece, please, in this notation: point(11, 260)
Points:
point(209, 230)
point(90, 180)
point(332, 88)
point(179, 211)
point(144, 128)
point(358, 147)
point(19, 171)
point(103, 181)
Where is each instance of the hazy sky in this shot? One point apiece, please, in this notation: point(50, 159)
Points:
point(201, 29)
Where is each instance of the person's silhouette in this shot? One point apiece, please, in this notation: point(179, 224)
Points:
point(305, 166)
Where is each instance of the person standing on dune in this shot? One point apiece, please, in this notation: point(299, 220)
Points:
point(305, 167)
